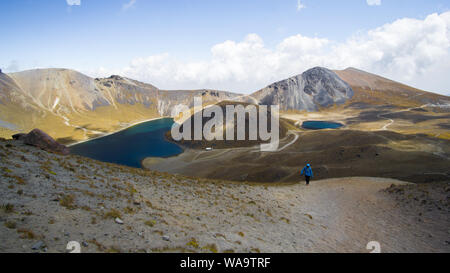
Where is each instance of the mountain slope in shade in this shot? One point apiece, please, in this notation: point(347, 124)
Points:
point(374, 89)
point(315, 88)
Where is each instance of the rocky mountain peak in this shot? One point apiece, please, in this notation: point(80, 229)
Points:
point(315, 87)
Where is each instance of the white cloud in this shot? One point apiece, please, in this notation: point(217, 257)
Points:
point(13, 66)
point(407, 50)
point(373, 2)
point(129, 4)
point(300, 5)
point(73, 2)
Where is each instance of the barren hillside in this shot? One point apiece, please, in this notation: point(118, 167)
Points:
point(48, 200)
point(71, 106)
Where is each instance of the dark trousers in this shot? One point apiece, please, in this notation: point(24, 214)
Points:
point(307, 179)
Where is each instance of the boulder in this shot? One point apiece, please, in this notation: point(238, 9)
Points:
point(41, 140)
point(18, 136)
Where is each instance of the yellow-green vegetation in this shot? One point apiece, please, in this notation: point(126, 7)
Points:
point(113, 213)
point(86, 208)
point(6, 170)
point(131, 189)
point(19, 180)
point(67, 201)
point(10, 224)
point(100, 247)
point(46, 167)
point(7, 208)
point(113, 249)
point(26, 234)
point(211, 248)
point(256, 250)
point(129, 210)
point(193, 243)
point(150, 223)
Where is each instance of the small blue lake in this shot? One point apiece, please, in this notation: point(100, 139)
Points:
point(130, 146)
point(318, 125)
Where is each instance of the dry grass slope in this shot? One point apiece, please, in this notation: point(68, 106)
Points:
point(55, 199)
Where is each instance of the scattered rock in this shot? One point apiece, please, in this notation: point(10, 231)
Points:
point(118, 221)
point(85, 244)
point(38, 245)
point(166, 238)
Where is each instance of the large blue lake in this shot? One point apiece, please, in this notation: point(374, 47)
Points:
point(130, 146)
point(318, 125)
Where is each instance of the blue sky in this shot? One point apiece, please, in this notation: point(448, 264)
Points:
point(183, 43)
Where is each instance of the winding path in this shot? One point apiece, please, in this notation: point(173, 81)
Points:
point(296, 136)
point(391, 121)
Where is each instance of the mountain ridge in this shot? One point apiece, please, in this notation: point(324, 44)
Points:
point(72, 106)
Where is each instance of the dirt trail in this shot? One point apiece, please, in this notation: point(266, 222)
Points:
point(348, 213)
point(54, 199)
point(391, 121)
point(296, 136)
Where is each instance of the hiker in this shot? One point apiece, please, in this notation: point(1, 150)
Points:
point(308, 173)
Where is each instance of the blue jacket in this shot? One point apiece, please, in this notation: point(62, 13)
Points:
point(308, 171)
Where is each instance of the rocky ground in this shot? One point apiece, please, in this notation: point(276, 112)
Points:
point(48, 200)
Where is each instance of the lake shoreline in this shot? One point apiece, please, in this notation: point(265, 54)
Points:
point(321, 125)
point(115, 132)
point(141, 144)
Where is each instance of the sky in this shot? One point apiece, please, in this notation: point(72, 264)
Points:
point(233, 45)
